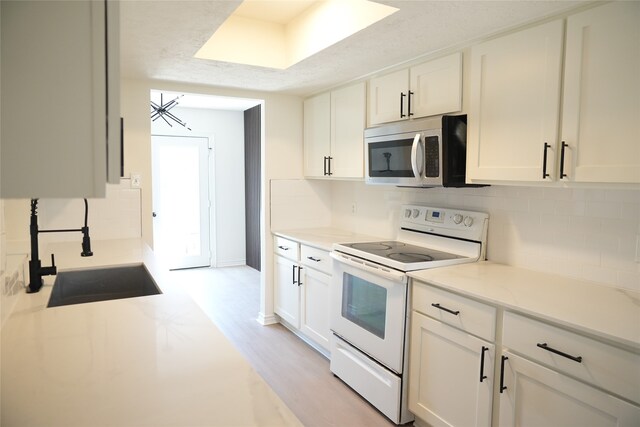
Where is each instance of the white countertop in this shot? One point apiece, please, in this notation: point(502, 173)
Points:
point(602, 311)
point(324, 237)
point(146, 361)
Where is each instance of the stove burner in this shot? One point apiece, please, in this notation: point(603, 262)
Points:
point(409, 257)
point(376, 246)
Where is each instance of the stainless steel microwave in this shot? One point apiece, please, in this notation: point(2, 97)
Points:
point(429, 152)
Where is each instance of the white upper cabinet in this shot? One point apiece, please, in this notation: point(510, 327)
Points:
point(428, 89)
point(436, 87)
point(514, 111)
point(601, 108)
point(60, 98)
point(334, 133)
point(388, 98)
point(514, 105)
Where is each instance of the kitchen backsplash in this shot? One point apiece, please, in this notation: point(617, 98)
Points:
point(117, 216)
point(590, 234)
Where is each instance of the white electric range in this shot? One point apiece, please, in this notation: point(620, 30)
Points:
point(370, 298)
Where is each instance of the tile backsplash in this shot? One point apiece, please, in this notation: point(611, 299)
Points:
point(590, 234)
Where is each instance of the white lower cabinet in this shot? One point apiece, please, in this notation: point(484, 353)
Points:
point(302, 283)
point(451, 381)
point(314, 305)
point(287, 291)
point(533, 395)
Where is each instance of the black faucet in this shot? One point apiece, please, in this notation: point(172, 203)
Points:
point(36, 270)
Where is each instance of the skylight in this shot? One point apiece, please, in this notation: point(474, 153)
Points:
point(280, 33)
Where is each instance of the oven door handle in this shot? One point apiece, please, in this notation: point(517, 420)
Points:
point(417, 165)
point(395, 276)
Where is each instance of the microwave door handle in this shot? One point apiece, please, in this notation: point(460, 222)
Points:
point(395, 276)
point(417, 166)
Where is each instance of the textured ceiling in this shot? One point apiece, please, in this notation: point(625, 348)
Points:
point(159, 39)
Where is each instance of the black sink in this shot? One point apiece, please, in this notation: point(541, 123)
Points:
point(101, 284)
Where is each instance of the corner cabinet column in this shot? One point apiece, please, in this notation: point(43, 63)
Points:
point(60, 97)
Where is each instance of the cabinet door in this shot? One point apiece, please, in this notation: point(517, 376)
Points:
point(317, 134)
point(445, 386)
point(347, 131)
point(314, 316)
point(55, 86)
point(514, 103)
point(436, 86)
point(386, 103)
point(601, 109)
point(537, 396)
point(287, 291)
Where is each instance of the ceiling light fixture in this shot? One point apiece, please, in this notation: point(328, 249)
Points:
point(162, 111)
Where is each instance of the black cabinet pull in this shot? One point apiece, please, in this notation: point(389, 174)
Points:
point(329, 169)
point(438, 306)
point(409, 104)
point(284, 248)
point(562, 174)
point(314, 259)
point(502, 386)
point(293, 275)
point(544, 161)
point(324, 166)
point(544, 346)
point(482, 375)
point(402, 114)
point(299, 276)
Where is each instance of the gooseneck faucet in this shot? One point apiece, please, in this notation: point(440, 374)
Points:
point(36, 270)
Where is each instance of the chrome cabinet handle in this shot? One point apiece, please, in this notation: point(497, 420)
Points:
point(448, 310)
point(544, 346)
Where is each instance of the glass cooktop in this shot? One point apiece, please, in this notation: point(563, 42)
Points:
point(401, 252)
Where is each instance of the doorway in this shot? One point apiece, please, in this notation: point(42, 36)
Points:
point(181, 207)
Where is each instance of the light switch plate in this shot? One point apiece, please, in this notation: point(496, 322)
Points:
point(135, 180)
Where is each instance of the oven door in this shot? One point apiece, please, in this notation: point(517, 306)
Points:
point(368, 308)
point(395, 159)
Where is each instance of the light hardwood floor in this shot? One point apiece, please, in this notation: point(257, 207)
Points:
point(299, 374)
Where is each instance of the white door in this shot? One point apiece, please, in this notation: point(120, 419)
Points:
point(348, 108)
point(451, 375)
point(602, 95)
point(388, 100)
point(317, 125)
point(181, 200)
point(532, 395)
point(514, 105)
point(314, 313)
point(436, 86)
point(287, 284)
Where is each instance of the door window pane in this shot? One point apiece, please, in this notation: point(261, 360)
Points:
point(365, 304)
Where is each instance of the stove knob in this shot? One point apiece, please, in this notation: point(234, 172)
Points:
point(416, 212)
point(407, 213)
point(457, 218)
point(468, 221)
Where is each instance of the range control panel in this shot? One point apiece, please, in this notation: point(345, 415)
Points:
point(445, 221)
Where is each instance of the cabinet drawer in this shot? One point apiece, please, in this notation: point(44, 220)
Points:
point(603, 365)
point(287, 248)
point(315, 258)
point(471, 316)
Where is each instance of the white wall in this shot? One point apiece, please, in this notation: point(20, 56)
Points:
point(225, 131)
point(585, 233)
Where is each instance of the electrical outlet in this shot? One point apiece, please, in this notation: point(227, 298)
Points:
point(136, 180)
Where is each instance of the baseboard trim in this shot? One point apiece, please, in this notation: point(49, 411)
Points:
point(267, 320)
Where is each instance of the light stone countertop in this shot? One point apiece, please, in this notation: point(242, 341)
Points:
point(601, 311)
point(146, 361)
point(324, 237)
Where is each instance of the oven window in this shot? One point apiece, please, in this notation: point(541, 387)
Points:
point(390, 159)
point(365, 304)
